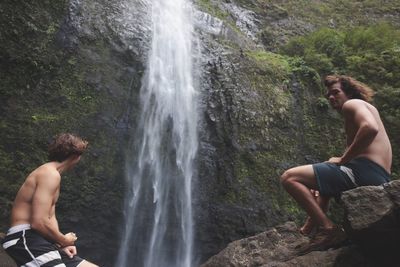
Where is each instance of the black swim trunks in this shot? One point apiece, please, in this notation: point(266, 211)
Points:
point(333, 179)
point(28, 248)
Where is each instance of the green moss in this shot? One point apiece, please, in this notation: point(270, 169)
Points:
point(209, 7)
point(44, 117)
point(277, 65)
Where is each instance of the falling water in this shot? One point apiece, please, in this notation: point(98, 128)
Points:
point(158, 213)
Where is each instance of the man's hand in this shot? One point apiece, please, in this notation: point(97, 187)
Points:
point(335, 160)
point(71, 238)
point(70, 251)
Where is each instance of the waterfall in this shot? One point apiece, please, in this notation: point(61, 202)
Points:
point(158, 205)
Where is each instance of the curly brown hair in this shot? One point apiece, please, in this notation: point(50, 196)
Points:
point(351, 87)
point(65, 145)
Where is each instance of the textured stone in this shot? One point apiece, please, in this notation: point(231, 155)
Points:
point(366, 205)
point(371, 222)
point(277, 247)
point(393, 189)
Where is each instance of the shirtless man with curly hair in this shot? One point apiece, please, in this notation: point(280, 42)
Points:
point(34, 238)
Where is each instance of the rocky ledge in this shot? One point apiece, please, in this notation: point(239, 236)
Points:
point(371, 221)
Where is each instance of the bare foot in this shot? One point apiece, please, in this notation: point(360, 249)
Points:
point(308, 227)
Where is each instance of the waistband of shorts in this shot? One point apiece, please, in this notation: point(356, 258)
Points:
point(18, 228)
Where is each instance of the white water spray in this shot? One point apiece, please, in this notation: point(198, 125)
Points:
point(158, 208)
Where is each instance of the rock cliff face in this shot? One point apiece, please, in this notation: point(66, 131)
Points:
point(71, 66)
point(371, 221)
point(77, 66)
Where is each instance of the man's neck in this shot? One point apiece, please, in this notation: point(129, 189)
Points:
point(62, 166)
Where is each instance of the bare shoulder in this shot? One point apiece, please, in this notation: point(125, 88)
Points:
point(356, 105)
point(48, 174)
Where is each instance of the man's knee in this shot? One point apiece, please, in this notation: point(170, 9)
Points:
point(86, 263)
point(286, 178)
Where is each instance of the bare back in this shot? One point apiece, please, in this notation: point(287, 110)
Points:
point(379, 150)
point(22, 211)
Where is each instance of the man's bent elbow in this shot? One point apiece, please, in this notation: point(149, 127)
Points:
point(285, 178)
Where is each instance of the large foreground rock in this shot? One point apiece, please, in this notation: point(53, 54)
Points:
point(277, 247)
point(371, 222)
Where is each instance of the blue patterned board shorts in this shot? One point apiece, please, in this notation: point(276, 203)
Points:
point(334, 179)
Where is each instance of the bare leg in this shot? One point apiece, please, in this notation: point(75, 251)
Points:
point(307, 227)
point(298, 181)
point(323, 202)
point(85, 263)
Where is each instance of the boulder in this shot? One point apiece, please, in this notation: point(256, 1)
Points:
point(277, 247)
point(371, 221)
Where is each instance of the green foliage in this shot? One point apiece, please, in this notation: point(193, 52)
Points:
point(375, 39)
point(274, 64)
point(323, 50)
point(212, 9)
point(322, 103)
point(370, 53)
point(321, 62)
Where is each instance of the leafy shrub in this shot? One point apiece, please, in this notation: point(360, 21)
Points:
point(370, 53)
point(323, 50)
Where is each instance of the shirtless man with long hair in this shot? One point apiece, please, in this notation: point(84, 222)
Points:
point(366, 160)
point(34, 238)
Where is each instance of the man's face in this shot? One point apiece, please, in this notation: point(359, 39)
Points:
point(336, 96)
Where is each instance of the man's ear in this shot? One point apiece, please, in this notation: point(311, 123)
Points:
point(75, 158)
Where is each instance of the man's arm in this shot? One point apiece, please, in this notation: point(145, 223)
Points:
point(43, 219)
point(357, 113)
point(69, 250)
